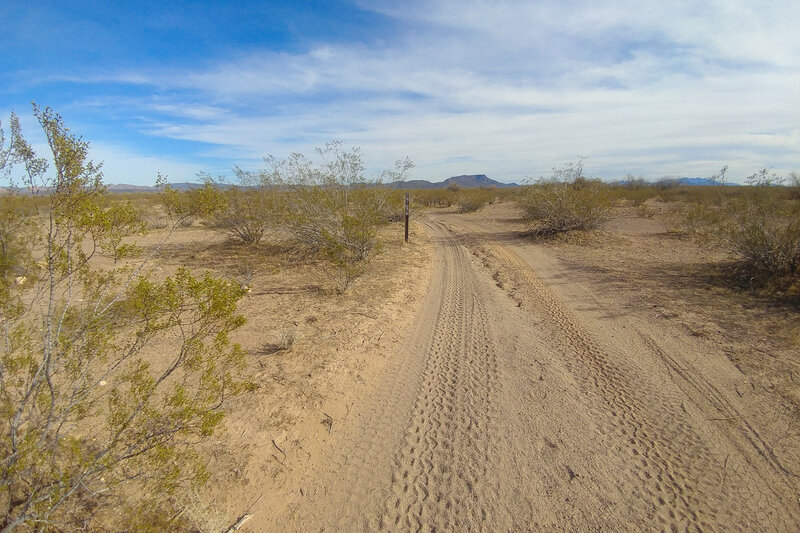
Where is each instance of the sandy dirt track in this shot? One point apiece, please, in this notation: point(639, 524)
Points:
point(527, 401)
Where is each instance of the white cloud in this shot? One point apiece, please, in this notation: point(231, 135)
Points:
point(507, 88)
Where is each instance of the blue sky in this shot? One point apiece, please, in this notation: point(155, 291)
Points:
point(509, 89)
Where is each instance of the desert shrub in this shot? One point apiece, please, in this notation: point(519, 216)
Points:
point(435, 197)
point(695, 218)
point(643, 211)
point(154, 217)
point(393, 209)
point(470, 200)
point(252, 207)
point(100, 421)
point(19, 232)
point(635, 191)
point(332, 209)
point(247, 216)
point(183, 207)
point(505, 194)
point(566, 202)
point(759, 225)
point(760, 228)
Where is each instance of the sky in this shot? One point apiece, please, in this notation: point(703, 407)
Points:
point(511, 89)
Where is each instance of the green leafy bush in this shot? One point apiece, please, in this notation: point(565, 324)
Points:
point(99, 421)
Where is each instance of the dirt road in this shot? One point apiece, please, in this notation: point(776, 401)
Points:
point(526, 401)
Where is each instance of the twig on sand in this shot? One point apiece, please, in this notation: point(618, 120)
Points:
point(328, 422)
point(724, 469)
point(239, 523)
point(278, 447)
point(244, 518)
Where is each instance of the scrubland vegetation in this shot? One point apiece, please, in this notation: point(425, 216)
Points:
point(757, 225)
point(466, 200)
point(112, 373)
point(565, 202)
point(97, 423)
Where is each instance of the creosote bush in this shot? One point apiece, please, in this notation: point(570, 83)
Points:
point(435, 197)
point(758, 224)
point(331, 209)
point(100, 419)
point(470, 200)
point(566, 202)
point(252, 208)
point(184, 206)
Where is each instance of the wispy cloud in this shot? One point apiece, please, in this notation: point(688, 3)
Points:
point(507, 88)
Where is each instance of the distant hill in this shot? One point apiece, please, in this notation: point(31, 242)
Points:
point(476, 180)
point(181, 186)
point(701, 182)
point(123, 188)
point(185, 186)
point(464, 181)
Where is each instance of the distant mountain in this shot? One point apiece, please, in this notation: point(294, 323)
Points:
point(701, 182)
point(181, 186)
point(415, 184)
point(463, 181)
point(476, 180)
point(123, 188)
point(707, 182)
point(185, 186)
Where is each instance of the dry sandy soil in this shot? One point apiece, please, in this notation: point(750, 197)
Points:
point(478, 380)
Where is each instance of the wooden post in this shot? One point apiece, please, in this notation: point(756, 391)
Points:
point(406, 217)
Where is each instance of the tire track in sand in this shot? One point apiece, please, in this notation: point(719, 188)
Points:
point(440, 479)
point(417, 457)
point(425, 453)
point(673, 468)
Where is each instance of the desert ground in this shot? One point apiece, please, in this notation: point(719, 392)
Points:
point(480, 380)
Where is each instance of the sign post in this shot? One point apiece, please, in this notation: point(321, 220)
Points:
point(406, 240)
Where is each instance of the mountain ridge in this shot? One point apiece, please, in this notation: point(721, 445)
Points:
point(463, 181)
